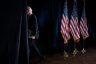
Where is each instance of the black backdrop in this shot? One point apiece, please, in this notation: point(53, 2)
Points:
point(13, 27)
point(49, 14)
point(13, 32)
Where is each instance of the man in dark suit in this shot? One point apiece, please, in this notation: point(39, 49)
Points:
point(33, 32)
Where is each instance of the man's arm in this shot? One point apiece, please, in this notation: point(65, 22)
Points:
point(36, 26)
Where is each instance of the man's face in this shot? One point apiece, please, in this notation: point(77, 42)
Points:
point(29, 11)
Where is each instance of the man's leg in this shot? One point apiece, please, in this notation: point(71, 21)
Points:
point(36, 48)
point(32, 45)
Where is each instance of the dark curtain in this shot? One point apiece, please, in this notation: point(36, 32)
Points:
point(49, 14)
point(13, 33)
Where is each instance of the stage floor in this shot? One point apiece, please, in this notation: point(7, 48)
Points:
point(88, 58)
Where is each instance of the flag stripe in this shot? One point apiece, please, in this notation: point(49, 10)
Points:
point(64, 37)
point(74, 28)
point(72, 31)
point(64, 32)
point(75, 22)
point(64, 28)
point(84, 29)
point(63, 25)
point(84, 22)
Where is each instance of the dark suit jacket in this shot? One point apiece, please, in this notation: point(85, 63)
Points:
point(33, 26)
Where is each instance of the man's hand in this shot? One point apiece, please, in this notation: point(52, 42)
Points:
point(33, 37)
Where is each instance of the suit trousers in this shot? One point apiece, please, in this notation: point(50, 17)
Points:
point(32, 45)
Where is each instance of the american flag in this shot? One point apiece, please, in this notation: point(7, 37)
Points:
point(74, 24)
point(83, 25)
point(64, 24)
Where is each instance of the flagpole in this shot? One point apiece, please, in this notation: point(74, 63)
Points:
point(75, 49)
point(65, 53)
point(75, 41)
point(83, 50)
point(64, 28)
point(84, 2)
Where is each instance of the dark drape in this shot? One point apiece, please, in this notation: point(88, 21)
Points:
point(13, 33)
point(49, 14)
point(48, 17)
